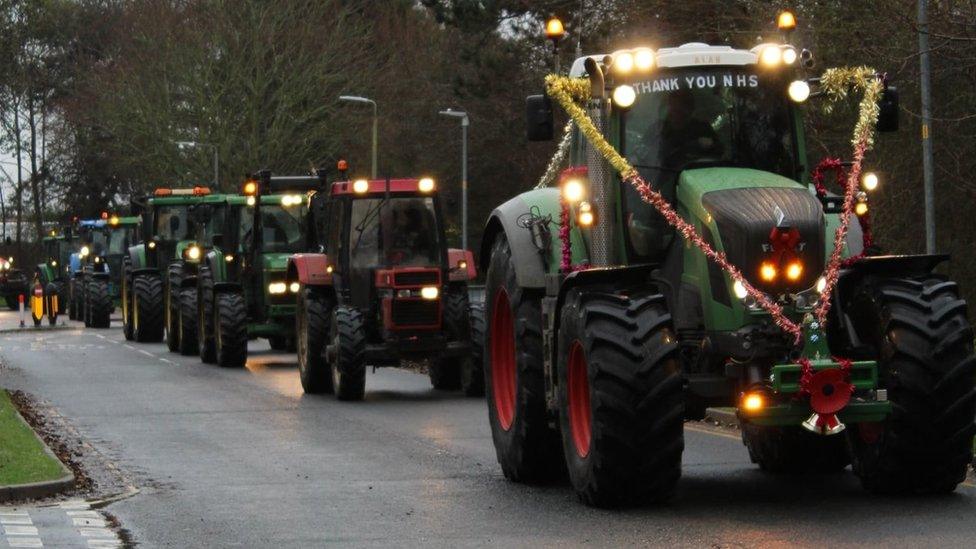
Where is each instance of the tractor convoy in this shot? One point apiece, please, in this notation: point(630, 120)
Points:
point(680, 253)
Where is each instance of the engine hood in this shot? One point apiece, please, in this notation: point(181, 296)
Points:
point(744, 206)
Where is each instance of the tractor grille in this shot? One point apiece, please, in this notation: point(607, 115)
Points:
point(416, 312)
point(416, 278)
point(286, 298)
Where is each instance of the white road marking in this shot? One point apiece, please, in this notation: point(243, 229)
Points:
point(13, 514)
point(167, 361)
point(19, 530)
point(84, 514)
point(25, 542)
point(90, 522)
point(145, 352)
point(127, 346)
point(74, 504)
point(15, 519)
point(100, 543)
point(97, 532)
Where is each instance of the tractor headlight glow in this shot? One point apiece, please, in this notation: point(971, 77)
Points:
point(54, 263)
point(586, 216)
point(251, 201)
point(152, 244)
point(98, 259)
point(767, 271)
point(84, 251)
point(739, 289)
point(771, 56)
point(429, 292)
point(643, 59)
point(861, 208)
point(277, 288)
point(789, 56)
point(752, 402)
point(624, 96)
point(623, 62)
point(294, 287)
point(821, 285)
point(799, 91)
point(425, 185)
point(360, 186)
point(193, 253)
point(228, 258)
point(794, 271)
point(870, 181)
point(573, 190)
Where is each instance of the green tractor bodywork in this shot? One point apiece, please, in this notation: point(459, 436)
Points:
point(103, 245)
point(54, 273)
point(643, 329)
point(242, 292)
point(157, 270)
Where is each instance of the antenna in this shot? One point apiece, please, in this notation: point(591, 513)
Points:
point(579, 31)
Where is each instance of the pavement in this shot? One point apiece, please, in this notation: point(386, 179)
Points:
point(231, 458)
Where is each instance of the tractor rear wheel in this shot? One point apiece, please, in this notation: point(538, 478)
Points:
point(230, 330)
point(86, 304)
point(621, 397)
point(794, 450)
point(312, 328)
point(147, 308)
point(923, 342)
point(188, 321)
point(526, 446)
point(206, 342)
point(99, 304)
point(72, 296)
point(174, 276)
point(349, 344)
point(473, 368)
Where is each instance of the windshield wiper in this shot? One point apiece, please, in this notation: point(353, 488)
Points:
point(368, 218)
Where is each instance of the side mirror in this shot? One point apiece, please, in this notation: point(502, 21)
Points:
point(538, 118)
point(889, 110)
point(217, 240)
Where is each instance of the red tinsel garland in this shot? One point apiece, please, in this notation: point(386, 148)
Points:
point(836, 166)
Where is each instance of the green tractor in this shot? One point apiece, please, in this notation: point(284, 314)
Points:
point(54, 273)
point(153, 271)
point(607, 328)
point(242, 292)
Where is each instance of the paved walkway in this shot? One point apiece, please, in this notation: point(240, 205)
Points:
point(70, 524)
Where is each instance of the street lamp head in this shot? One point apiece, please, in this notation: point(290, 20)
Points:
point(456, 114)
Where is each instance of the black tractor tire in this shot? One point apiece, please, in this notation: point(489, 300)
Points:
point(13, 303)
point(473, 368)
point(128, 326)
point(100, 304)
point(147, 307)
point(923, 342)
point(206, 341)
point(794, 450)
point(445, 373)
point(312, 317)
point(174, 277)
point(528, 449)
point(621, 397)
point(349, 341)
point(74, 307)
point(188, 321)
point(230, 330)
point(86, 304)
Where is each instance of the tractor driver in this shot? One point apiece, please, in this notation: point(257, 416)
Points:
point(684, 137)
point(410, 239)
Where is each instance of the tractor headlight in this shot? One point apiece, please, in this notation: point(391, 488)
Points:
point(821, 285)
point(771, 56)
point(799, 91)
point(84, 251)
point(228, 258)
point(294, 287)
point(54, 263)
point(429, 292)
point(97, 260)
point(360, 186)
point(152, 244)
point(277, 288)
point(624, 96)
point(586, 216)
point(404, 293)
point(192, 253)
point(425, 185)
point(573, 190)
point(740, 290)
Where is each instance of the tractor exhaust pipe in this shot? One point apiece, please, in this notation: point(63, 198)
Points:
point(600, 173)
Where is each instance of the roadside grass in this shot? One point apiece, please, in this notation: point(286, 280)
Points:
point(22, 456)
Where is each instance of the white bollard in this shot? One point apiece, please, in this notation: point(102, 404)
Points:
point(20, 301)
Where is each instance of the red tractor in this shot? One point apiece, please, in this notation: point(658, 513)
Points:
point(385, 289)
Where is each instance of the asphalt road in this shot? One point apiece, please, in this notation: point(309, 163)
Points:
point(243, 458)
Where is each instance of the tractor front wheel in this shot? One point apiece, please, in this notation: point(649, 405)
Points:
point(128, 326)
point(923, 342)
point(99, 304)
point(621, 397)
point(74, 307)
point(206, 341)
point(445, 373)
point(147, 308)
point(349, 345)
point(174, 275)
point(473, 367)
point(526, 446)
point(188, 321)
point(230, 330)
point(312, 327)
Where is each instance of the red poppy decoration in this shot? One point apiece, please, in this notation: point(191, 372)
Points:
point(829, 391)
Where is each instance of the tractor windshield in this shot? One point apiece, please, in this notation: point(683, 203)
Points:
point(702, 117)
point(118, 240)
point(282, 228)
point(173, 223)
point(399, 232)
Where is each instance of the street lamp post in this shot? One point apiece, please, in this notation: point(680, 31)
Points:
point(216, 158)
point(464, 171)
point(359, 99)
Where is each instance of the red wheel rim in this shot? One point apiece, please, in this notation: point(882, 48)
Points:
point(503, 360)
point(578, 391)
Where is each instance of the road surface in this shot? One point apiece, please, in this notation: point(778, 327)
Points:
point(225, 458)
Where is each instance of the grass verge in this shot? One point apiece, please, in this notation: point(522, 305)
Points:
point(23, 458)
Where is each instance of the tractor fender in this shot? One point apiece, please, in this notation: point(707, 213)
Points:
point(889, 265)
point(529, 266)
point(143, 270)
point(457, 257)
point(309, 270)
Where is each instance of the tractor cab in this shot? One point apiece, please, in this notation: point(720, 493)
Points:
point(385, 276)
